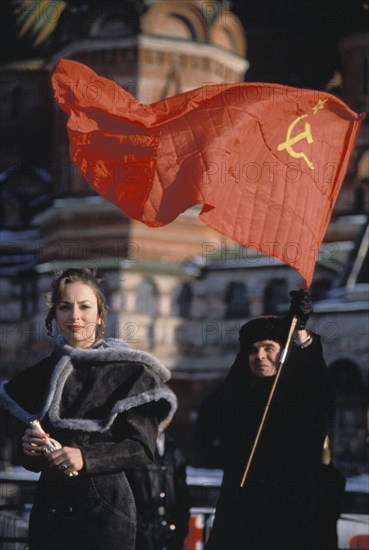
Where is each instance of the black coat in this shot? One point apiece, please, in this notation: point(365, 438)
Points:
point(106, 400)
point(162, 500)
point(277, 507)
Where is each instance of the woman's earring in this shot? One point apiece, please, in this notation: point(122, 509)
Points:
point(49, 329)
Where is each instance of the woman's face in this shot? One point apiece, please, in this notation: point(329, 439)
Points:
point(77, 315)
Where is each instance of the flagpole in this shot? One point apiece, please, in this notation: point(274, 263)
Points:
point(272, 391)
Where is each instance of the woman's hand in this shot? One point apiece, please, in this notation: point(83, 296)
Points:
point(33, 442)
point(67, 459)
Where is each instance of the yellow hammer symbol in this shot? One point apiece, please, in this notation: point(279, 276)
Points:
point(290, 141)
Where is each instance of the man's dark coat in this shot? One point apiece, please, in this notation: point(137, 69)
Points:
point(276, 509)
point(162, 500)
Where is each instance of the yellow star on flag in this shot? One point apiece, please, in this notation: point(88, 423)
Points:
point(319, 105)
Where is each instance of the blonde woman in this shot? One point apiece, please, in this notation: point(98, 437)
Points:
point(102, 402)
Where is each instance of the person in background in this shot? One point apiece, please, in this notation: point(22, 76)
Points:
point(276, 507)
point(99, 404)
point(162, 497)
point(330, 500)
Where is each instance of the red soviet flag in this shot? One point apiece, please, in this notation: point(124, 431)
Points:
point(266, 161)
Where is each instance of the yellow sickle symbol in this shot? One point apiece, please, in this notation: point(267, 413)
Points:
point(306, 134)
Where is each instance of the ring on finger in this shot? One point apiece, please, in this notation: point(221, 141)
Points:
point(63, 466)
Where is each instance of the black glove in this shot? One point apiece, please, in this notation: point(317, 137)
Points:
point(301, 306)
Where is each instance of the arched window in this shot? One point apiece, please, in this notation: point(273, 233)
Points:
point(237, 304)
point(275, 296)
point(147, 298)
point(359, 200)
point(181, 300)
point(348, 417)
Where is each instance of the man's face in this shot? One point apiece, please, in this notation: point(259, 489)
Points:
point(264, 357)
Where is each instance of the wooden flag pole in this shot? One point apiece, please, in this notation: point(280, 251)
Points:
point(272, 391)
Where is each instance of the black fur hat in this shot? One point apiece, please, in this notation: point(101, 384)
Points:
point(263, 328)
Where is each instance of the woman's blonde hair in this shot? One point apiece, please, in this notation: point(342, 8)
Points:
point(86, 276)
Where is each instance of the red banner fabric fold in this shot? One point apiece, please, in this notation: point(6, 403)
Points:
point(266, 161)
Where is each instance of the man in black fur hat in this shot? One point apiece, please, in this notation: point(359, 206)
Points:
point(275, 509)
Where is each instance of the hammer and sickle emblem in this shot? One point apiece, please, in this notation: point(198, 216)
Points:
point(290, 141)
